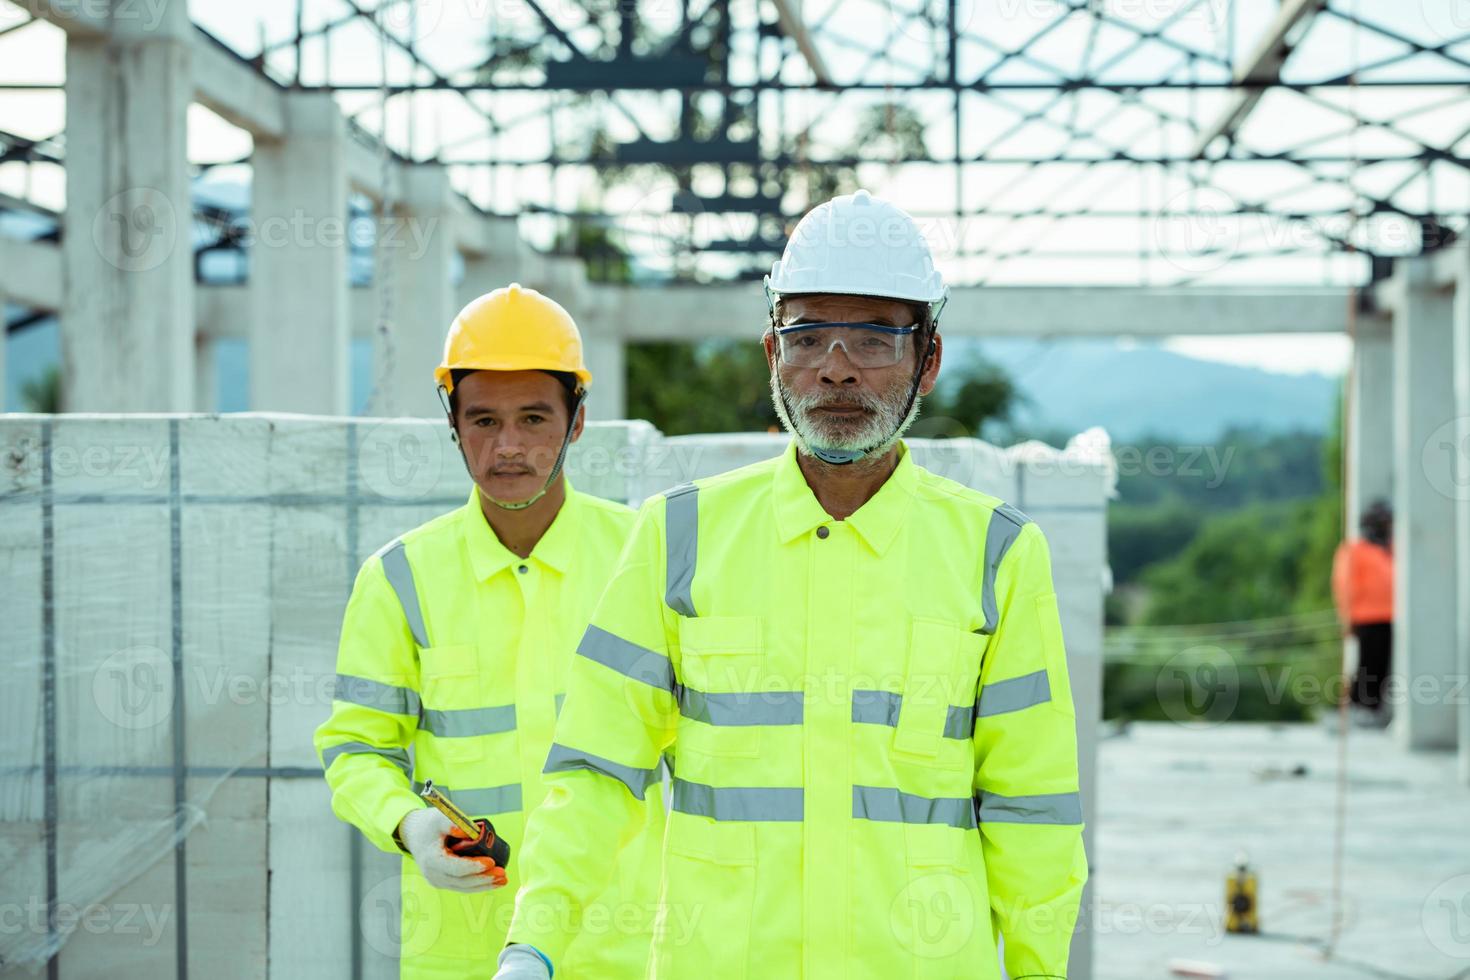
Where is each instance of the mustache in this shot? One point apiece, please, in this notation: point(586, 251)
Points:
point(485, 461)
point(811, 401)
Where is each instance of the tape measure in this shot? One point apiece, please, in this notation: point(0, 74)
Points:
point(480, 839)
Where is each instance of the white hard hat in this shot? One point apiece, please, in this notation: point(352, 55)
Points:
point(858, 245)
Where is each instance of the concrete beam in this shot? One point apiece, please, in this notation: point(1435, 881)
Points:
point(788, 12)
point(232, 89)
point(738, 310)
point(223, 82)
point(77, 19)
point(1425, 661)
point(1263, 67)
point(657, 313)
point(30, 273)
point(224, 312)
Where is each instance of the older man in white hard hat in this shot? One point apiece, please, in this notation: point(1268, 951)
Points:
point(858, 664)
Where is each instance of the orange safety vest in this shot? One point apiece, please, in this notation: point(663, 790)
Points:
point(1362, 582)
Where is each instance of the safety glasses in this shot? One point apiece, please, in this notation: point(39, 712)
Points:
point(867, 345)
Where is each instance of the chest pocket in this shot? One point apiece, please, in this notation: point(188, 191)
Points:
point(722, 670)
point(936, 715)
point(721, 654)
point(449, 677)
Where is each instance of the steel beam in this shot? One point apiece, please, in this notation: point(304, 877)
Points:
point(1261, 70)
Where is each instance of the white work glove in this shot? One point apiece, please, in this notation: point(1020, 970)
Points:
point(423, 832)
point(521, 962)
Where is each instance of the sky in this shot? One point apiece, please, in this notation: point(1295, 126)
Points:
point(1094, 246)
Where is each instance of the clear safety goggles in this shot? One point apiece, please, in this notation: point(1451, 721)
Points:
point(867, 345)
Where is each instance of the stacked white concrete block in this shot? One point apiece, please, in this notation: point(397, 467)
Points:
point(262, 520)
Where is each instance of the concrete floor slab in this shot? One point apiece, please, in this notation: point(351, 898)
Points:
point(1178, 802)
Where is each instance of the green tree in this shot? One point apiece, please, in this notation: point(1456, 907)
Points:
point(889, 131)
point(717, 386)
point(43, 393)
point(981, 393)
point(1325, 527)
point(1244, 564)
point(1142, 534)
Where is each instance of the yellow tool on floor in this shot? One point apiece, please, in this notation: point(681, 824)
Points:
point(1240, 898)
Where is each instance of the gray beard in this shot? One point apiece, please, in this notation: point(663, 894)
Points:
point(883, 420)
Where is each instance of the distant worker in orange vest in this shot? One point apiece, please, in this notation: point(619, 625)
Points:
point(1362, 587)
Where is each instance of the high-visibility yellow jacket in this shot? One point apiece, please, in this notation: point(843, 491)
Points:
point(875, 756)
point(456, 649)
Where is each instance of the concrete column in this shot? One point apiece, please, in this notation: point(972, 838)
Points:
point(606, 358)
point(206, 390)
point(127, 324)
point(1425, 659)
point(300, 323)
point(500, 266)
point(1461, 484)
point(4, 342)
point(481, 274)
point(565, 280)
point(417, 249)
point(1370, 448)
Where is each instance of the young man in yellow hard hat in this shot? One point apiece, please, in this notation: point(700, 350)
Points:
point(457, 642)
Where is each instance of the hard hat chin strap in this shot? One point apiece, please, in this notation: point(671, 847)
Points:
point(561, 456)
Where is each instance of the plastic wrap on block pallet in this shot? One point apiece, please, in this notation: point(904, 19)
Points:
point(172, 589)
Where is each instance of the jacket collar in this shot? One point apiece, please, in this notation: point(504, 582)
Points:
point(877, 522)
point(488, 556)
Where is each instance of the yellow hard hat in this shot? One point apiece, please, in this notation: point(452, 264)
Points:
point(513, 328)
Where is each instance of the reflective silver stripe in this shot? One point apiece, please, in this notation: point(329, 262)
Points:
point(468, 722)
point(1013, 694)
point(486, 801)
point(375, 694)
point(395, 755)
point(882, 707)
point(628, 659)
point(737, 802)
point(564, 759)
point(1005, 526)
point(892, 806)
point(681, 543)
point(1058, 808)
point(753, 708)
point(400, 576)
point(876, 707)
point(559, 699)
point(960, 721)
